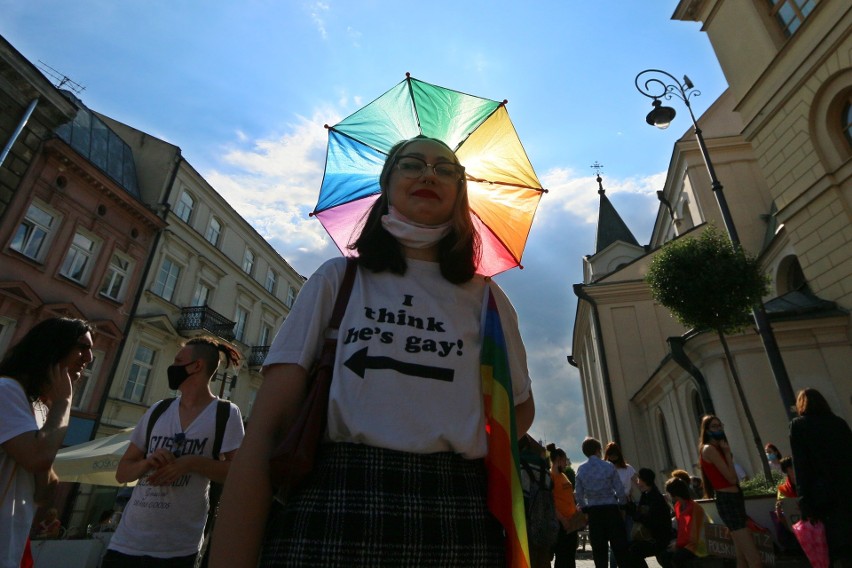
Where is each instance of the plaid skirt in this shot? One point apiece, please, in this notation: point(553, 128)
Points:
point(367, 506)
point(731, 508)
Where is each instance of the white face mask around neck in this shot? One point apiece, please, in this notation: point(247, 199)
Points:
point(411, 234)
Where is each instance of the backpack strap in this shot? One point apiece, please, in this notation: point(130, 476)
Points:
point(157, 411)
point(223, 412)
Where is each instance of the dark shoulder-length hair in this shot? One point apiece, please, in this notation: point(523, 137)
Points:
point(613, 454)
point(29, 361)
point(458, 251)
point(810, 402)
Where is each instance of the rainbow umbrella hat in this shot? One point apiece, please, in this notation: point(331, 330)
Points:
point(503, 188)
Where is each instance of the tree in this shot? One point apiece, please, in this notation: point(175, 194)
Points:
point(707, 283)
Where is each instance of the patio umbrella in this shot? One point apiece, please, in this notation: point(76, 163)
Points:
point(503, 189)
point(94, 461)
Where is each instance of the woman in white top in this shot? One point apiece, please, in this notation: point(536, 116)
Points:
point(627, 474)
point(401, 481)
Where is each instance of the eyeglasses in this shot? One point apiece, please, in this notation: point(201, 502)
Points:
point(180, 441)
point(412, 167)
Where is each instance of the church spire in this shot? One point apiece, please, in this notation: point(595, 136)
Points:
point(611, 227)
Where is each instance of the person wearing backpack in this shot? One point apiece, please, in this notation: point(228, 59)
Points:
point(541, 516)
point(178, 447)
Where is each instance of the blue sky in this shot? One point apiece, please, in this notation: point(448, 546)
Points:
point(244, 88)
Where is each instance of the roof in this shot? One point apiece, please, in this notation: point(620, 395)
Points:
point(90, 137)
point(611, 227)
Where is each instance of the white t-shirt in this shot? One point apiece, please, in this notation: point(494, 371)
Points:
point(18, 485)
point(625, 474)
point(168, 521)
point(407, 362)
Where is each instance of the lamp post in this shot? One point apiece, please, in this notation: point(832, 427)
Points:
point(656, 84)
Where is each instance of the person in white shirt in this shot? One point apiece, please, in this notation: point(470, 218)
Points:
point(401, 481)
point(163, 522)
point(36, 378)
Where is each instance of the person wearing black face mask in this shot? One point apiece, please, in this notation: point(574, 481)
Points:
point(721, 482)
point(171, 454)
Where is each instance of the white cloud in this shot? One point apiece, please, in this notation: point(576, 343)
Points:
point(317, 10)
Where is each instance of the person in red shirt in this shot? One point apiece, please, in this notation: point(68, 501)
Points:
point(690, 525)
point(721, 481)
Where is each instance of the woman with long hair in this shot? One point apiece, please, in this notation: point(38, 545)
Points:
point(36, 383)
point(721, 481)
point(401, 480)
point(627, 475)
point(821, 442)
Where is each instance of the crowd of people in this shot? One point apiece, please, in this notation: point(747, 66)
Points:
point(402, 476)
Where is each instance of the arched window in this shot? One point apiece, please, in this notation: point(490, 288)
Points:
point(183, 209)
point(846, 121)
point(664, 438)
point(697, 408)
point(790, 277)
point(213, 231)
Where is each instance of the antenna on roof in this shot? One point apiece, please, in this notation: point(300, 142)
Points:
point(60, 80)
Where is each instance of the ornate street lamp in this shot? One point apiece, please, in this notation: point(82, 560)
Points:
point(656, 84)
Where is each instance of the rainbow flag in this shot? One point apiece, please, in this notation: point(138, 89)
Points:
point(505, 497)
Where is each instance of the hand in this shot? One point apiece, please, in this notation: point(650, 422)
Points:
point(168, 474)
point(60, 387)
point(160, 458)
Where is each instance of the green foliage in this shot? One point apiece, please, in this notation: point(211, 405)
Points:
point(706, 282)
point(758, 485)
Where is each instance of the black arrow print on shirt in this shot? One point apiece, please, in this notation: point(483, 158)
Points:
point(359, 362)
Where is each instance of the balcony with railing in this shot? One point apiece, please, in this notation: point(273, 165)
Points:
point(202, 318)
point(258, 355)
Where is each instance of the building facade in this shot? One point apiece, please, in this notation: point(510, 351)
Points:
point(780, 141)
point(210, 273)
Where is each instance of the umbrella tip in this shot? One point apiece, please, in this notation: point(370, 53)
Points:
point(325, 126)
point(407, 75)
point(311, 214)
point(505, 102)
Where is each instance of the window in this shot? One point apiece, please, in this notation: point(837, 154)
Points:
point(697, 408)
point(33, 232)
point(201, 295)
point(164, 287)
point(265, 333)
point(77, 261)
point(291, 296)
point(183, 209)
point(240, 317)
point(791, 13)
point(667, 446)
point(248, 261)
point(271, 278)
point(7, 327)
point(214, 229)
point(116, 277)
point(846, 122)
point(85, 385)
point(140, 372)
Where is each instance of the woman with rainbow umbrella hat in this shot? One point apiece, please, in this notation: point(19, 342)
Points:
point(430, 388)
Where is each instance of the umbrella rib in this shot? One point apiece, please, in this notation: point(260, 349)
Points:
point(497, 237)
point(340, 132)
point(506, 183)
